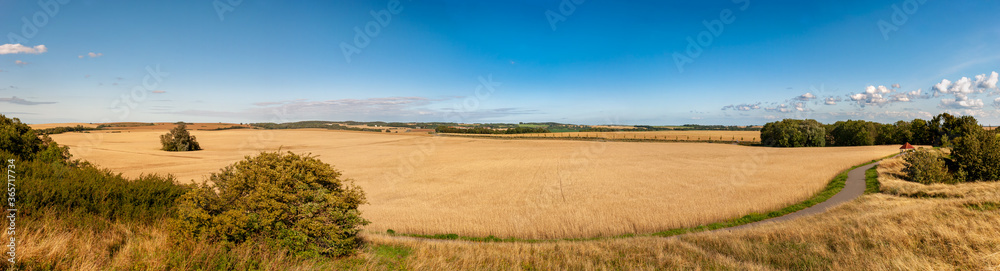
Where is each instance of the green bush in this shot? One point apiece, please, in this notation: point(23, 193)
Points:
point(298, 202)
point(928, 167)
point(178, 139)
point(46, 181)
point(18, 138)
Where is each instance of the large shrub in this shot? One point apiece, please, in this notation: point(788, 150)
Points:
point(298, 202)
point(926, 167)
point(179, 139)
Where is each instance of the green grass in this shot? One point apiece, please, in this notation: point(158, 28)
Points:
point(871, 180)
point(983, 206)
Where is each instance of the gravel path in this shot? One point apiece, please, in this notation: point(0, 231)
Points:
point(854, 188)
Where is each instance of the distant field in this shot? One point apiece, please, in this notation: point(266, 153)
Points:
point(520, 188)
point(54, 125)
point(742, 136)
point(171, 125)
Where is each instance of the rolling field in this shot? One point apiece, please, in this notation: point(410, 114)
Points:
point(727, 136)
point(521, 188)
point(54, 125)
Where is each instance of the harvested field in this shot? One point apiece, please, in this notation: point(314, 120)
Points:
point(513, 188)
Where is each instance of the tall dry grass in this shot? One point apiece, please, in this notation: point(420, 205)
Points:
point(525, 188)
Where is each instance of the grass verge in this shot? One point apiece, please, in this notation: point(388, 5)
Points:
point(871, 181)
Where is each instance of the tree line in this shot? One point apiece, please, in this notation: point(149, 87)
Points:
point(940, 130)
point(63, 129)
point(975, 151)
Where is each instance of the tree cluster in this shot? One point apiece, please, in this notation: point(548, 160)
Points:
point(794, 133)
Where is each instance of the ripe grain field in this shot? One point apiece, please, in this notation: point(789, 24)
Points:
point(513, 188)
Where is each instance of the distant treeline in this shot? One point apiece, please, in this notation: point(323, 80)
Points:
point(124, 124)
point(311, 124)
point(64, 129)
point(483, 130)
point(939, 131)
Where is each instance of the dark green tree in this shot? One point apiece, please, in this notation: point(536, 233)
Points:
point(179, 139)
point(977, 153)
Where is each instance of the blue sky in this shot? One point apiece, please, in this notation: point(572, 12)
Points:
point(573, 61)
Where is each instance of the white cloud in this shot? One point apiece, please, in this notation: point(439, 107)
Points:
point(21, 49)
point(801, 107)
point(159, 92)
point(783, 108)
point(831, 100)
point(943, 86)
point(987, 82)
point(883, 89)
point(742, 107)
point(963, 86)
point(996, 102)
point(872, 96)
point(961, 102)
point(93, 55)
point(80, 56)
point(806, 97)
point(895, 85)
point(20, 63)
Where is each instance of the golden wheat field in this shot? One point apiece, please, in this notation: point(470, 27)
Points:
point(883, 231)
point(513, 188)
point(726, 136)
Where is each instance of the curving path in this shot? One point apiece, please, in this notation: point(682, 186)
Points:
point(854, 187)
